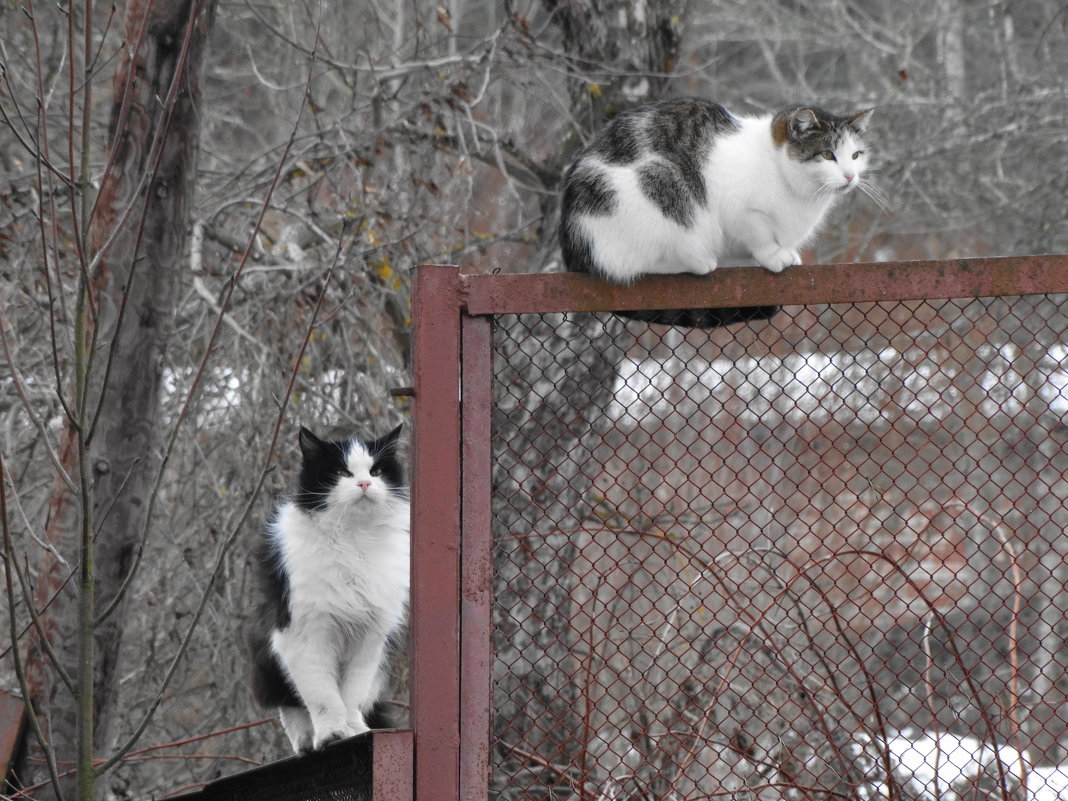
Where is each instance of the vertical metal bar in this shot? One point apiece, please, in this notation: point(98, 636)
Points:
point(476, 548)
point(436, 533)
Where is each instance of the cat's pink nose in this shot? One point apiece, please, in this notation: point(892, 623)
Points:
point(364, 485)
point(849, 178)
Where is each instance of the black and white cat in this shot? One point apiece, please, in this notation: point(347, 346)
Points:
point(335, 575)
point(683, 185)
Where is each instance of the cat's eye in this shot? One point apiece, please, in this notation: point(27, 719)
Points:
point(827, 154)
point(376, 471)
point(345, 472)
point(858, 154)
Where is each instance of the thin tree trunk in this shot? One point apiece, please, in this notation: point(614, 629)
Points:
point(140, 225)
point(951, 49)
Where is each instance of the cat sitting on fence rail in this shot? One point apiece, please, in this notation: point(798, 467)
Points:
point(335, 579)
point(683, 185)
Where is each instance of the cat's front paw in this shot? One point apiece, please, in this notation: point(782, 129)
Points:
point(330, 730)
point(778, 259)
point(332, 735)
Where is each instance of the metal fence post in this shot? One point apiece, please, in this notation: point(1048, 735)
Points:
point(436, 533)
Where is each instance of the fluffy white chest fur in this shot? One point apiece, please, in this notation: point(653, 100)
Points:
point(343, 570)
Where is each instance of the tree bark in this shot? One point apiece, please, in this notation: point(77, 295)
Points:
point(140, 226)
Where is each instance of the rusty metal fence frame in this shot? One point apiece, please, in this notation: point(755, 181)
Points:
point(451, 452)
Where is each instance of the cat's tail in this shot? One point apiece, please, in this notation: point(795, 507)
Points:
point(382, 715)
point(702, 318)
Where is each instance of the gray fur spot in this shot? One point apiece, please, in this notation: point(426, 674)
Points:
point(620, 142)
point(586, 191)
point(687, 126)
point(682, 131)
point(665, 187)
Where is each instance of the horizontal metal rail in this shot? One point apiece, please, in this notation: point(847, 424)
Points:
point(755, 286)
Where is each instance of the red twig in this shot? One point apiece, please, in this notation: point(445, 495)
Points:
point(199, 737)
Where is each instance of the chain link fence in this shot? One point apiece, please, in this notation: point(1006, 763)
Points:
point(818, 557)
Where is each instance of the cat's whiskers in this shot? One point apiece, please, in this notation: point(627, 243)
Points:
point(875, 193)
point(829, 188)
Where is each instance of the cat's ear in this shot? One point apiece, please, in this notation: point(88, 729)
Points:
point(802, 121)
point(310, 445)
point(389, 441)
point(859, 121)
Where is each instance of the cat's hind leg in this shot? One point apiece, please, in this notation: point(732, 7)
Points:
point(298, 727)
point(682, 266)
point(692, 252)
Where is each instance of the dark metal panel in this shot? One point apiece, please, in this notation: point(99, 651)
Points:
point(342, 771)
point(393, 765)
point(476, 577)
point(755, 286)
point(436, 533)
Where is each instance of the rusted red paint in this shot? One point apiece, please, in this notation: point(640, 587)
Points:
point(393, 765)
point(476, 656)
point(754, 286)
point(436, 533)
point(12, 728)
point(452, 478)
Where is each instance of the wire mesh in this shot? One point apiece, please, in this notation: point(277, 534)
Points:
point(817, 557)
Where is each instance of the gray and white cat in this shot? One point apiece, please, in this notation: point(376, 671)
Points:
point(335, 579)
point(683, 185)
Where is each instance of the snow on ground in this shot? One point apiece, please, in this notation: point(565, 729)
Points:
point(938, 766)
point(939, 761)
point(1048, 783)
